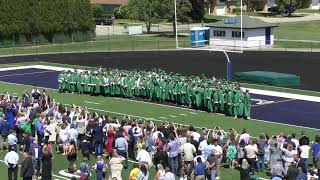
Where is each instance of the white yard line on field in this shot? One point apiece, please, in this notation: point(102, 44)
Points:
point(89, 102)
point(173, 116)
point(275, 102)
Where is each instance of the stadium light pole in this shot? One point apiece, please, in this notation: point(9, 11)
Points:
point(176, 22)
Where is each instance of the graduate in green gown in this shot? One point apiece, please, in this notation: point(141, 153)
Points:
point(61, 81)
point(236, 102)
point(199, 97)
point(247, 105)
point(229, 103)
point(221, 100)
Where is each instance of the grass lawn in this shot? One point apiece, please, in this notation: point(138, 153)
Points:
point(119, 107)
point(307, 11)
point(308, 30)
point(104, 43)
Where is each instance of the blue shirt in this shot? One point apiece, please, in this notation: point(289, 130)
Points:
point(302, 176)
point(40, 127)
point(174, 148)
point(4, 128)
point(121, 144)
point(200, 169)
point(315, 149)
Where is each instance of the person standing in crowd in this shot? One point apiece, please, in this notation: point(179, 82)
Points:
point(63, 135)
point(261, 144)
point(244, 136)
point(231, 154)
point(199, 170)
point(110, 140)
point(134, 172)
point(27, 169)
point(121, 146)
point(217, 149)
point(12, 139)
point(277, 170)
point(304, 153)
point(84, 169)
point(116, 166)
point(160, 175)
point(275, 152)
point(316, 150)
point(12, 160)
point(101, 168)
point(174, 152)
point(251, 153)
point(241, 152)
point(212, 165)
point(245, 170)
point(143, 157)
point(4, 132)
point(98, 136)
point(143, 173)
point(72, 156)
point(288, 154)
point(46, 163)
point(168, 174)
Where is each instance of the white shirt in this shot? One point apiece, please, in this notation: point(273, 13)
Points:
point(217, 150)
point(169, 176)
point(11, 158)
point(188, 150)
point(304, 149)
point(12, 139)
point(202, 145)
point(196, 136)
point(251, 151)
point(143, 157)
point(245, 137)
point(296, 142)
point(73, 134)
point(155, 135)
point(63, 134)
point(288, 155)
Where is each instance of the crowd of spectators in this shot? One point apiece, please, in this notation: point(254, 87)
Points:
point(35, 125)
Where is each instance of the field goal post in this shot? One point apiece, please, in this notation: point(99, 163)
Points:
point(224, 51)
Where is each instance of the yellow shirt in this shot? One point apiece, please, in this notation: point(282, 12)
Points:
point(134, 173)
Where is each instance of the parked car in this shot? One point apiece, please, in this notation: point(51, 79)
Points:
point(103, 22)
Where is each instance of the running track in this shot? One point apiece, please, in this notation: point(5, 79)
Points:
point(268, 108)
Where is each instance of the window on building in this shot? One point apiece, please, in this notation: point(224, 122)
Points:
point(237, 34)
point(219, 33)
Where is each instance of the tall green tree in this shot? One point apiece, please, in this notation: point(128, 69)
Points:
point(97, 10)
point(184, 9)
point(197, 11)
point(33, 17)
point(147, 11)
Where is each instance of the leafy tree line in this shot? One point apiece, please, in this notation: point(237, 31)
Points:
point(44, 17)
point(153, 11)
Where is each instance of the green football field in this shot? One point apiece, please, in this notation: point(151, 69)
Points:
point(143, 110)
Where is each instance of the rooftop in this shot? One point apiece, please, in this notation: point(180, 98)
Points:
point(247, 23)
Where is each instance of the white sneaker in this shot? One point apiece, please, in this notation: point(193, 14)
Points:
point(218, 177)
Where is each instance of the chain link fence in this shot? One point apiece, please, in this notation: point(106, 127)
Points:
point(116, 38)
